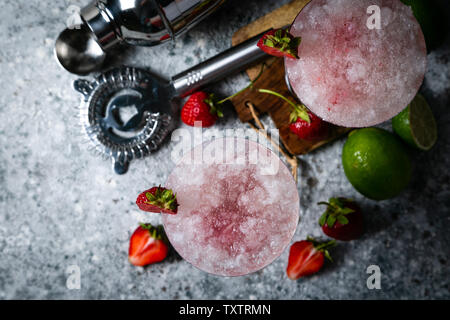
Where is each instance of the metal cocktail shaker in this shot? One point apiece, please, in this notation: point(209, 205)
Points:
point(143, 22)
point(135, 22)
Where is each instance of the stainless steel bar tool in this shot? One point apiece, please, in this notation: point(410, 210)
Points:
point(106, 23)
point(156, 103)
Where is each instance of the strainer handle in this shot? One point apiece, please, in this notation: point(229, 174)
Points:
point(219, 67)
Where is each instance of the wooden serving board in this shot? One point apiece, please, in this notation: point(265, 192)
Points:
point(273, 79)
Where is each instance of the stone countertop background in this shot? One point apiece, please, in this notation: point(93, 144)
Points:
point(61, 206)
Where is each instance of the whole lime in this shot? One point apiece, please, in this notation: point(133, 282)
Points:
point(376, 163)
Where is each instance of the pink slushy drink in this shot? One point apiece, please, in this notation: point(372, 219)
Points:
point(361, 61)
point(234, 217)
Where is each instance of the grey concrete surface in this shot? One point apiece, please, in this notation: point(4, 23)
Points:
point(60, 205)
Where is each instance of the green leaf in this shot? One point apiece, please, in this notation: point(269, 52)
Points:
point(347, 211)
point(342, 220)
point(279, 33)
point(269, 43)
point(323, 218)
point(157, 233)
point(335, 202)
point(303, 114)
point(296, 42)
point(331, 221)
point(327, 255)
point(167, 195)
point(164, 199)
point(146, 226)
point(293, 117)
point(150, 196)
point(322, 246)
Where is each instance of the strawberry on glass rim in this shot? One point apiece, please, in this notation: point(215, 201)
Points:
point(307, 257)
point(303, 123)
point(280, 43)
point(158, 200)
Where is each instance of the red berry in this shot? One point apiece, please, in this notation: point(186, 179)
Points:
point(307, 257)
point(305, 124)
point(316, 129)
point(343, 219)
point(158, 200)
point(200, 107)
point(148, 245)
point(280, 43)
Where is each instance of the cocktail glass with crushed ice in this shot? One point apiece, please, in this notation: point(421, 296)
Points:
point(351, 73)
point(238, 209)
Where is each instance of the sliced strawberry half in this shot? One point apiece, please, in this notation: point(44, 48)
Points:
point(148, 245)
point(158, 200)
point(280, 43)
point(307, 257)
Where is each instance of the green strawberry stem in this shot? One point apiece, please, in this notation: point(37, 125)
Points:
point(214, 107)
point(326, 245)
point(247, 87)
point(336, 211)
point(323, 247)
point(156, 233)
point(283, 41)
point(336, 207)
point(162, 198)
point(299, 111)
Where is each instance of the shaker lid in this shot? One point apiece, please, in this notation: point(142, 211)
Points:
point(101, 22)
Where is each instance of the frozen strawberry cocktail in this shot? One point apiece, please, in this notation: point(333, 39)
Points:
point(233, 218)
point(357, 68)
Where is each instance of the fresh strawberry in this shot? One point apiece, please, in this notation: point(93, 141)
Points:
point(307, 257)
point(314, 129)
point(158, 200)
point(342, 220)
point(280, 43)
point(205, 108)
point(305, 124)
point(201, 107)
point(148, 245)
